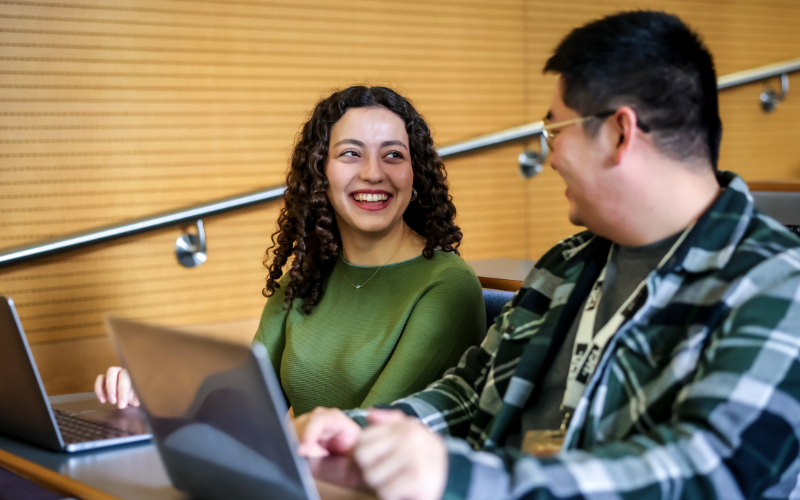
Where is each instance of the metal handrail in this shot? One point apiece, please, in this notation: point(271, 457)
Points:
point(25, 253)
point(508, 136)
point(531, 130)
point(757, 74)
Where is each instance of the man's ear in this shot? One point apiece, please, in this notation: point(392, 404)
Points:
point(623, 132)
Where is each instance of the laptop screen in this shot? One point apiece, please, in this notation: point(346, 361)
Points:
point(216, 411)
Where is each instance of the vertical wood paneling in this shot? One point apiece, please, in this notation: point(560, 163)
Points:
point(117, 109)
point(742, 34)
point(111, 110)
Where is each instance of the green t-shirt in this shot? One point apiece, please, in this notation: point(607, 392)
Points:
point(390, 338)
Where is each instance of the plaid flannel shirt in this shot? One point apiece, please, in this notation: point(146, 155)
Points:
point(696, 396)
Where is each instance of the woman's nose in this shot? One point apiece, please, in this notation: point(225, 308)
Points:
point(372, 171)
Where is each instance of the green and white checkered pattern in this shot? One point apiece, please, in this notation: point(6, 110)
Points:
point(697, 396)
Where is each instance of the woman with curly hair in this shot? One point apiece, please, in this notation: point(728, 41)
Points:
point(376, 303)
point(368, 298)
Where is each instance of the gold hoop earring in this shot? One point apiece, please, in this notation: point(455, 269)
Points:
point(413, 194)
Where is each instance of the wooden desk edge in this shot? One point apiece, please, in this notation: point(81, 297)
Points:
point(330, 491)
point(788, 185)
point(500, 284)
point(67, 486)
point(51, 480)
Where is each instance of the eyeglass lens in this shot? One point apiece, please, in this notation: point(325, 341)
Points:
point(548, 139)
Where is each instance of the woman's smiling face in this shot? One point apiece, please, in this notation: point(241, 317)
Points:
point(369, 170)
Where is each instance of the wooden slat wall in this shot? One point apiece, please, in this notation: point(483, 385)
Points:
point(116, 109)
point(742, 34)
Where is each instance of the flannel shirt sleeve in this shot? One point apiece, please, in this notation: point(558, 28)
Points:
point(448, 405)
point(733, 431)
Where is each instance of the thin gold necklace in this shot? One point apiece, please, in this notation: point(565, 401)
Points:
point(341, 268)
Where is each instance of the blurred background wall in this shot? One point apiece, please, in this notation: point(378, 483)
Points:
point(111, 110)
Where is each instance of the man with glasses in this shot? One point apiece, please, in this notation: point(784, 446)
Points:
point(654, 355)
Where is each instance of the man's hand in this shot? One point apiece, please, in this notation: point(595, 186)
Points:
point(324, 431)
point(401, 458)
point(115, 387)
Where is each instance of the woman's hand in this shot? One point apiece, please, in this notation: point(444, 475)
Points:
point(115, 387)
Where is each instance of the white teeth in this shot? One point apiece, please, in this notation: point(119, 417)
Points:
point(370, 197)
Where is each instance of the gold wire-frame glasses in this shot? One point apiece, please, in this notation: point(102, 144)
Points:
point(551, 130)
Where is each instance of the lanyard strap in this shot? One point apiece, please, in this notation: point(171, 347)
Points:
point(589, 346)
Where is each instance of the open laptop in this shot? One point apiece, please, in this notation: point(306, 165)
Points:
point(217, 412)
point(25, 410)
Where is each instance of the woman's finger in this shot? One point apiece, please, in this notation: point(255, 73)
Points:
point(98, 388)
point(112, 375)
point(124, 388)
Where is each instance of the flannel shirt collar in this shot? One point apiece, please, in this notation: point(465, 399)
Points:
point(579, 245)
point(717, 233)
point(713, 239)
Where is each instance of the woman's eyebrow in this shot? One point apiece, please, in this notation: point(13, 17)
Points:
point(393, 143)
point(358, 143)
point(350, 141)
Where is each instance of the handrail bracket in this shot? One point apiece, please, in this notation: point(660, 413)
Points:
point(190, 249)
point(770, 99)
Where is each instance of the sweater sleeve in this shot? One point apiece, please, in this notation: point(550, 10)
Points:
point(272, 328)
point(448, 319)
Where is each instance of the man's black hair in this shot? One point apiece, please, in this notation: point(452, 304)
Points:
point(652, 62)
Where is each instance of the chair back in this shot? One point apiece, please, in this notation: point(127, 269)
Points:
point(494, 300)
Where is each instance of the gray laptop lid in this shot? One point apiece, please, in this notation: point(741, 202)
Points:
point(217, 414)
point(24, 411)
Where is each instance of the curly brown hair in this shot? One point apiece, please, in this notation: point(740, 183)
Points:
point(307, 226)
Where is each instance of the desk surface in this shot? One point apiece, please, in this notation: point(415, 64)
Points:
point(134, 472)
point(502, 274)
point(783, 185)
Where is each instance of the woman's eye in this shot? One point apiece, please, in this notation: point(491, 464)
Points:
point(395, 154)
point(349, 152)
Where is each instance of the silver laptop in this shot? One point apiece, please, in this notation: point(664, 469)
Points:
point(25, 410)
point(217, 412)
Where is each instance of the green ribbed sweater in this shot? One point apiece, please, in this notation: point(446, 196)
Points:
point(390, 338)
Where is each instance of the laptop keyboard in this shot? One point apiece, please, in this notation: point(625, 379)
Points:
point(77, 430)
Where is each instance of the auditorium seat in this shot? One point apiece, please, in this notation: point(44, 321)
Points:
point(494, 300)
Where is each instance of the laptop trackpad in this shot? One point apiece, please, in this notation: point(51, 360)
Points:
point(130, 419)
